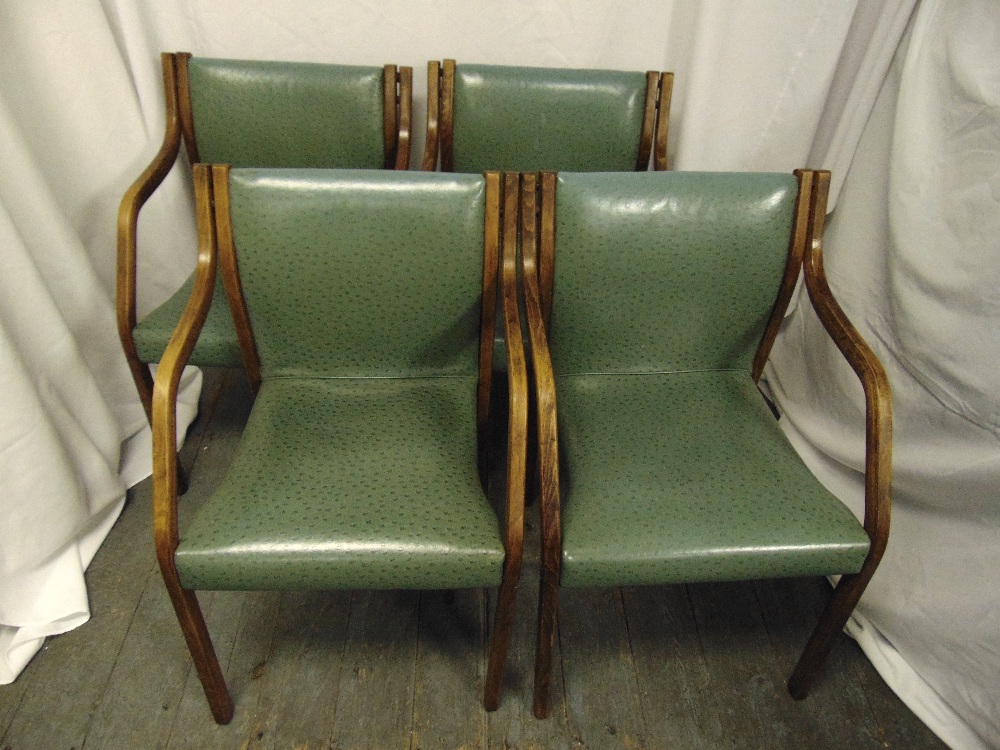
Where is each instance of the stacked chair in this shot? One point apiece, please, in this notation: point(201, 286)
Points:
point(633, 312)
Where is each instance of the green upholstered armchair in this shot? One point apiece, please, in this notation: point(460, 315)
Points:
point(483, 117)
point(665, 465)
point(359, 299)
point(253, 114)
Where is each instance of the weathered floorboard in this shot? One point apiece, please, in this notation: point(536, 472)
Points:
point(602, 700)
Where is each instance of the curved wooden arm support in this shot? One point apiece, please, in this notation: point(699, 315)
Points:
point(878, 395)
point(429, 163)
point(548, 441)
point(128, 219)
point(517, 439)
point(165, 532)
point(878, 444)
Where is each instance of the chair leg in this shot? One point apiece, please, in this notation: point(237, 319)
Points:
point(548, 603)
point(503, 625)
point(831, 623)
point(200, 645)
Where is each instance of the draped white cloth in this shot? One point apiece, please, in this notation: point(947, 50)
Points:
point(902, 106)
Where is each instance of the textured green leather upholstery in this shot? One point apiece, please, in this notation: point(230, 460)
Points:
point(530, 119)
point(350, 483)
point(253, 113)
point(674, 468)
point(369, 300)
point(217, 345)
point(358, 465)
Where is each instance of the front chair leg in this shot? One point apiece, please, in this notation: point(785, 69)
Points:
point(831, 623)
point(200, 645)
point(548, 603)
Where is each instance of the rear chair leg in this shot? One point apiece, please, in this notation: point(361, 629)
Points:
point(503, 625)
point(548, 603)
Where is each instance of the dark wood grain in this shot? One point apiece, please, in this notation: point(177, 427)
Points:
point(517, 437)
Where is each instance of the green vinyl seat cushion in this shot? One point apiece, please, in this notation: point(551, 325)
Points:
point(674, 468)
point(531, 119)
point(350, 483)
point(217, 345)
point(686, 477)
point(259, 113)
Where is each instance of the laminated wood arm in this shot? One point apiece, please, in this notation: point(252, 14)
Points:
point(128, 218)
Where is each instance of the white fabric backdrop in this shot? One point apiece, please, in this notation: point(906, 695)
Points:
point(781, 84)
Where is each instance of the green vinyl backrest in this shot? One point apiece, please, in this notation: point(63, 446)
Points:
point(255, 113)
point(530, 119)
point(666, 271)
point(359, 273)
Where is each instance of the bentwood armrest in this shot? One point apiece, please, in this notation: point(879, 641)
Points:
point(169, 373)
point(517, 432)
point(534, 267)
point(128, 217)
point(878, 437)
point(878, 395)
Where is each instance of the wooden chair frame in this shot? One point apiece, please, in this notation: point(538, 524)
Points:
point(805, 254)
point(215, 241)
point(441, 112)
point(398, 115)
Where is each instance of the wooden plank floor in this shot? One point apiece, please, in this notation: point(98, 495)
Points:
point(700, 666)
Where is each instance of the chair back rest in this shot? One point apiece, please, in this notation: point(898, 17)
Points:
point(666, 271)
point(530, 119)
point(358, 273)
point(257, 113)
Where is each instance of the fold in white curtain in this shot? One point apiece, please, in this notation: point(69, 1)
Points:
point(914, 257)
point(771, 85)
